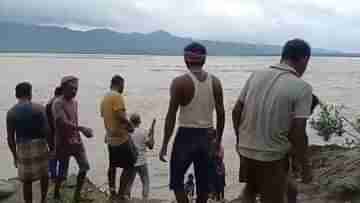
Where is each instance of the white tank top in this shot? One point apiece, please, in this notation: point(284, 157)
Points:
point(199, 112)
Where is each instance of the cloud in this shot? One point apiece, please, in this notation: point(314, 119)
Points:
point(324, 23)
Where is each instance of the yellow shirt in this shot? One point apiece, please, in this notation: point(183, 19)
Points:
point(111, 106)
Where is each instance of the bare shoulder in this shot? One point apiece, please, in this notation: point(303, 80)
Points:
point(216, 79)
point(181, 79)
point(11, 112)
point(57, 104)
point(179, 82)
point(57, 101)
point(216, 83)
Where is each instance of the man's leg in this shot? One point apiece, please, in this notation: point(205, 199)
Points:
point(131, 181)
point(111, 173)
point(204, 167)
point(145, 180)
point(111, 179)
point(181, 159)
point(273, 181)
point(292, 191)
point(59, 180)
point(126, 177)
point(79, 185)
point(53, 168)
point(84, 167)
point(248, 175)
point(249, 194)
point(44, 182)
point(222, 195)
point(63, 169)
point(181, 196)
point(27, 190)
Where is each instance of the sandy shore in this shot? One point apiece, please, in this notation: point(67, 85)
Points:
point(97, 196)
point(328, 163)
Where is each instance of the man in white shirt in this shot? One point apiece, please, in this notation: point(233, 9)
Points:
point(269, 120)
point(143, 140)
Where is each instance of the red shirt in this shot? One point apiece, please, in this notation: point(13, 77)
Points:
point(66, 111)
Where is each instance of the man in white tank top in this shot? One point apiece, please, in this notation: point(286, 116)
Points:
point(196, 95)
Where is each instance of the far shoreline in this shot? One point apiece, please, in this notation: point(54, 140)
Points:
point(99, 53)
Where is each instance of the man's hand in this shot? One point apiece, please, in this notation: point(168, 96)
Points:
point(163, 153)
point(87, 132)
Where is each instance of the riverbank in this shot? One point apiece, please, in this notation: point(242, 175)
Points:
point(336, 179)
point(336, 176)
point(92, 193)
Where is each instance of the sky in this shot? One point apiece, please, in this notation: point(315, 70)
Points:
point(331, 24)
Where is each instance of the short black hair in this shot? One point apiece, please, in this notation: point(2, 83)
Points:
point(23, 90)
point(58, 91)
point(196, 47)
point(295, 50)
point(117, 80)
point(135, 118)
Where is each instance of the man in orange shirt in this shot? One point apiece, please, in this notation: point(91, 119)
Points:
point(122, 152)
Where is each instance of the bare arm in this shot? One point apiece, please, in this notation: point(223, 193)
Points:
point(299, 142)
point(220, 109)
point(299, 139)
point(46, 127)
point(11, 135)
point(151, 142)
point(170, 118)
point(297, 134)
point(171, 114)
point(236, 118)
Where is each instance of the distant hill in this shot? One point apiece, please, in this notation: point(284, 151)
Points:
point(15, 37)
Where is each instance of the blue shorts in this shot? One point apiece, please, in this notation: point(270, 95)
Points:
point(191, 145)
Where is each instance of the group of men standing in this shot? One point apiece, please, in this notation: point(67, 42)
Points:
point(30, 137)
point(269, 121)
point(42, 140)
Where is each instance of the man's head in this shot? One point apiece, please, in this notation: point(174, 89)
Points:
point(296, 53)
point(58, 92)
point(69, 86)
point(23, 91)
point(135, 119)
point(117, 83)
point(195, 56)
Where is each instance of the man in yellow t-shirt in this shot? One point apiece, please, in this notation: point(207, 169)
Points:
point(117, 128)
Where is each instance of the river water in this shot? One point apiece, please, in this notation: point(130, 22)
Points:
point(335, 80)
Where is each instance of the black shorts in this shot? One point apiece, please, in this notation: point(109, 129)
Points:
point(120, 156)
point(191, 145)
point(267, 178)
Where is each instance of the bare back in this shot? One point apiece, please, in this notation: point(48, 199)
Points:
point(184, 88)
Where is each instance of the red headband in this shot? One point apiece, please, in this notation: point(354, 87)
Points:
point(194, 56)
